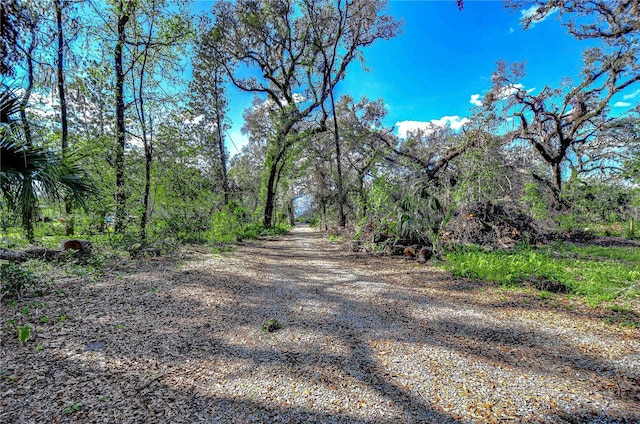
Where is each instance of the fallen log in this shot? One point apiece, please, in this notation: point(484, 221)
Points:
point(77, 248)
point(18, 256)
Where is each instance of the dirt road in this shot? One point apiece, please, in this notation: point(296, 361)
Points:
point(363, 339)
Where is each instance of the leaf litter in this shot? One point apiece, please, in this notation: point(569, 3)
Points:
point(364, 339)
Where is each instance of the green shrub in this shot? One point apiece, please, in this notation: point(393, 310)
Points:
point(252, 230)
point(14, 280)
point(277, 230)
point(271, 325)
point(224, 227)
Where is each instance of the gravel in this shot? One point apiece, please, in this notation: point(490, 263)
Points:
point(366, 339)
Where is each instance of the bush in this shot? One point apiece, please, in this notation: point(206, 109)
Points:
point(15, 280)
point(224, 227)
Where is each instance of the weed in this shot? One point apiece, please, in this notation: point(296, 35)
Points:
point(25, 310)
point(545, 295)
point(44, 319)
point(271, 325)
point(596, 273)
point(618, 308)
point(75, 407)
point(24, 333)
point(335, 238)
point(221, 248)
point(623, 316)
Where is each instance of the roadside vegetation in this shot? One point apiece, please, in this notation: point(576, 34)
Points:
point(596, 273)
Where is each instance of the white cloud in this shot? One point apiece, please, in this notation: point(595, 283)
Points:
point(454, 122)
point(621, 104)
point(631, 95)
point(527, 13)
point(511, 30)
point(531, 11)
point(475, 100)
point(510, 90)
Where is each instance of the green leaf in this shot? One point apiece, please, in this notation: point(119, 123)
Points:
point(24, 333)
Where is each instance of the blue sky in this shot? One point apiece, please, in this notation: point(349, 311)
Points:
point(445, 56)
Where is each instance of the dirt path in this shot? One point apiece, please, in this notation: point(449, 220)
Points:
point(364, 339)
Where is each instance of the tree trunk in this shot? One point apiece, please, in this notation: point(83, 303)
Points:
point(68, 206)
point(147, 142)
point(557, 176)
point(557, 185)
point(60, 72)
point(363, 196)
point(342, 221)
point(324, 214)
point(222, 152)
point(291, 213)
point(144, 219)
point(270, 199)
point(120, 194)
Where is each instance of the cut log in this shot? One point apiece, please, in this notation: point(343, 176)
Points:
point(409, 252)
point(82, 246)
point(424, 254)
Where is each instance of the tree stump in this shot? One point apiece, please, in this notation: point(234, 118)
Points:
point(82, 246)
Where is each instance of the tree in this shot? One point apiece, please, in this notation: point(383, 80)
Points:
point(122, 12)
point(27, 46)
point(59, 7)
point(210, 104)
point(559, 122)
point(613, 21)
point(361, 125)
point(11, 24)
point(157, 34)
point(299, 51)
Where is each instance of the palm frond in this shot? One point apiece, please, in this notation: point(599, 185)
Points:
point(28, 173)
